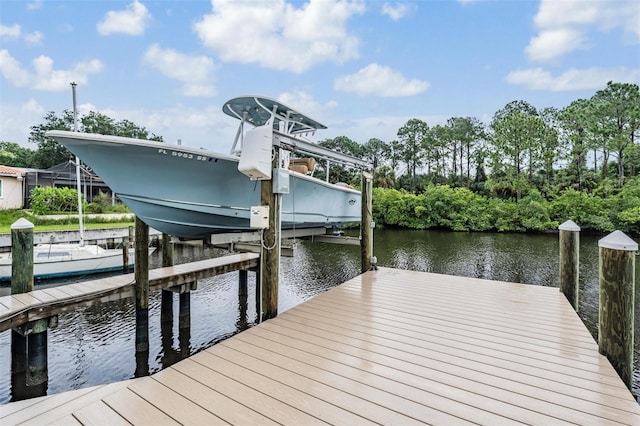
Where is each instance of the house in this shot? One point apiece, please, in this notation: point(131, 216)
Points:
point(16, 183)
point(12, 186)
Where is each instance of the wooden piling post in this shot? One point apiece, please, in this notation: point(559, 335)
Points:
point(366, 230)
point(258, 296)
point(569, 262)
point(184, 311)
point(142, 264)
point(21, 256)
point(141, 273)
point(167, 251)
point(166, 310)
point(125, 255)
point(35, 332)
point(616, 312)
point(126, 244)
point(243, 281)
point(270, 240)
point(37, 366)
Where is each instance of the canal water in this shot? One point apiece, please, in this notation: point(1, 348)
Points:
point(96, 345)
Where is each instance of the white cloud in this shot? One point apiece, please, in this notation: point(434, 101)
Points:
point(35, 5)
point(551, 44)
point(194, 72)
point(16, 121)
point(397, 11)
point(563, 24)
point(32, 106)
point(573, 79)
point(279, 35)
point(13, 31)
point(44, 77)
point(132, 21)
point(305, 104)
point(33, 38)
point(380, 81)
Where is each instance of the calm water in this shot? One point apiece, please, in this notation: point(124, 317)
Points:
point(95, 345)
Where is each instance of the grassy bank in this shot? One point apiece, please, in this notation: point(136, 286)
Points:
point(65, 222)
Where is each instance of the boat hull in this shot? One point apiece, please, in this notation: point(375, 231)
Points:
point(108, 260)
point(192, 193)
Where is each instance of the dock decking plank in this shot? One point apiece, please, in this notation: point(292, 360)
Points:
point(446, 359)
point(181, 409)
point(99, 413)
point(210, 399)
point(136, 409)
point(288, 372)
point(311, 405)
point(483, 343)
point(359, 385)
point(461, 385)
point(474, 408)
point(260, 402)
point(30, 409)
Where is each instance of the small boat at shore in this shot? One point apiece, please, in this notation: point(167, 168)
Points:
point(193, 193)
point(65, 260)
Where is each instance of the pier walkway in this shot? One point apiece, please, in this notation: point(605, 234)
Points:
point(21, 308)
point(387, 347)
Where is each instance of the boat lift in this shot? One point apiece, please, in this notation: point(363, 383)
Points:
point(285, 129)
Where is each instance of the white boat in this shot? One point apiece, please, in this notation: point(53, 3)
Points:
point(193, 193)
point(62, 260)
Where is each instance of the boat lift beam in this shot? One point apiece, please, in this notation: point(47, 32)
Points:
point(249, 236)
point(294, 144)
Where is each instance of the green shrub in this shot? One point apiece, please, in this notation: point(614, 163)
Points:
point(53, 200)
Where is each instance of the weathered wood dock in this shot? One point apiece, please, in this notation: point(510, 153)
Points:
point(22, 308)
point(387, 347)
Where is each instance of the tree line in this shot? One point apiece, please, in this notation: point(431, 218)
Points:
point(544, 158)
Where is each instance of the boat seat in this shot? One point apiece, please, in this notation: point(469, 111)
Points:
point(302, 165)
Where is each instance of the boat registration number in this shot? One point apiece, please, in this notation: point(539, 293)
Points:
point(180, 154)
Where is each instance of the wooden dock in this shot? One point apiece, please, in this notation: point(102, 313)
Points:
point(19, 309)
point(387, 347)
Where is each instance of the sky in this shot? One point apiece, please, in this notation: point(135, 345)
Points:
point(362, 68)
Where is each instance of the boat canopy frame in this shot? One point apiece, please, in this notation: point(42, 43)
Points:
point(289, 128)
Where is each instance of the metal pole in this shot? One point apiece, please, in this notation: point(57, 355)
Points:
point(75, 129)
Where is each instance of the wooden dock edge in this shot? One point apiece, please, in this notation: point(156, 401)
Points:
point(16, 310)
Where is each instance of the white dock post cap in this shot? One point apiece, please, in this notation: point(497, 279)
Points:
point(569, 226)
point(618, 240)
point(22, 223)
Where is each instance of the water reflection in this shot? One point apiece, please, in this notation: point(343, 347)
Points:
point(96, 344)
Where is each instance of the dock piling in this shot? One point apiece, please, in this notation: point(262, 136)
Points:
point(29, 342)
point(616, 311)
point(243, 281)
point(570, 262)
point(21, 256)
point(270, 245)
point(141, 274)
point(366, 229)
point(126, 244)
point(166, 311)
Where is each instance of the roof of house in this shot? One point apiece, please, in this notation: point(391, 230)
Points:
point(10, 171)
